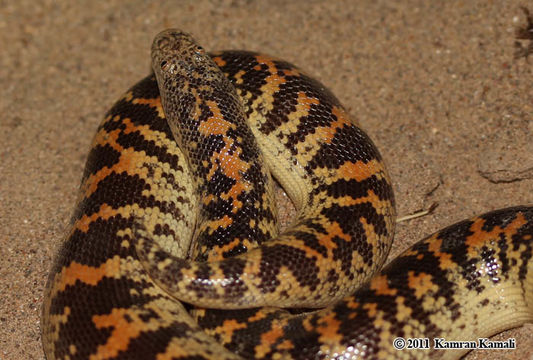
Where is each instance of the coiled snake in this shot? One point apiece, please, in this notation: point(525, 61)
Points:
point(192, 164)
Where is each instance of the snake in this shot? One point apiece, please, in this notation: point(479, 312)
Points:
point(173, 250)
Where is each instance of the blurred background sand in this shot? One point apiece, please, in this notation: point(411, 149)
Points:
point(434, 83)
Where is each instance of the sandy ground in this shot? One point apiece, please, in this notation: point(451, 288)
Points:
point(434, 83)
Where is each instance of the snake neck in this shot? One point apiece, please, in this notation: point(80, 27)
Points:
point(207, 119)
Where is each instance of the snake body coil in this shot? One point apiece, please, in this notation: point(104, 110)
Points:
point(152, 183)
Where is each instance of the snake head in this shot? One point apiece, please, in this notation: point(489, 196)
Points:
point(177, 59)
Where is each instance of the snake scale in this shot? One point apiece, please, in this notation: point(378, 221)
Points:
point(174, 253)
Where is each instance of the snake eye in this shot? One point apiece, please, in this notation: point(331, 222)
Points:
point(199, 53)
point(163, 64)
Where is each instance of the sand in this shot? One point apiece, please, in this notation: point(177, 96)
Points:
point(434, 83)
